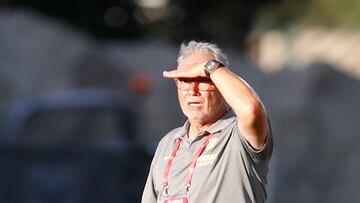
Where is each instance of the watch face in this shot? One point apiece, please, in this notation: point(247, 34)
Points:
point(211, 65)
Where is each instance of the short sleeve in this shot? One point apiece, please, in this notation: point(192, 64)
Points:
point(265, 152)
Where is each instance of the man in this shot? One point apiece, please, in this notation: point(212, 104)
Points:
point(222, 152)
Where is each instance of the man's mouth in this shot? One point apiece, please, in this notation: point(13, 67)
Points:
point(194, 103)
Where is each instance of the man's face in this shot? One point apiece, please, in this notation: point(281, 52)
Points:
point(200, 106)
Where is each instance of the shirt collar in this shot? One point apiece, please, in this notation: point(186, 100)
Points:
point(223, 122)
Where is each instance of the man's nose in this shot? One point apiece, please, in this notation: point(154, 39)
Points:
point(194, 86)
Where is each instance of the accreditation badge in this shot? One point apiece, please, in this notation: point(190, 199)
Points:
point(176, 199)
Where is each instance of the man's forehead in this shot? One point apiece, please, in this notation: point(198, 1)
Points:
point(196, 57)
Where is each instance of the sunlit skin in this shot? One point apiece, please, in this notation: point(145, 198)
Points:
point(204, 108)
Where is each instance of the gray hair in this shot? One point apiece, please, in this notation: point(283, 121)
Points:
point(192, 46)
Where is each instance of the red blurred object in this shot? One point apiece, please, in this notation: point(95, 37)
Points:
point(140, 83)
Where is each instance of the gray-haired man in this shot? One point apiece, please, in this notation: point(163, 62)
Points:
point(222, 152)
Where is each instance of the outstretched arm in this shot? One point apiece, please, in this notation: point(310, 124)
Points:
point(238, 94)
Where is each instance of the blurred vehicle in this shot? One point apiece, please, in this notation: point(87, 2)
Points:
point(72, 147)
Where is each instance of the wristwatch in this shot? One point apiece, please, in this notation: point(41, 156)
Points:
point(211, 66)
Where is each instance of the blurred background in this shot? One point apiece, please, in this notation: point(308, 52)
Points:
point(83, 102)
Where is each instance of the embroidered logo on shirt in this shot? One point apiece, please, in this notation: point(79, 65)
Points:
point(212, 143)
point(206, 160)
point(209, 158)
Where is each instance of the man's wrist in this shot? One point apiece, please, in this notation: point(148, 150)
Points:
point(211, 66)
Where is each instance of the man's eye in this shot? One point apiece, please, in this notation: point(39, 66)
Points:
point(205, 80)
point(184, 80)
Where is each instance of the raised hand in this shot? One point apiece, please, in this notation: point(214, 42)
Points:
point(187, 71)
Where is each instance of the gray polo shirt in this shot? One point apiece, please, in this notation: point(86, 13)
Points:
point(229, 170)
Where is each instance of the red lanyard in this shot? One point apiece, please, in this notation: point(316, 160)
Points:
point(192, 165)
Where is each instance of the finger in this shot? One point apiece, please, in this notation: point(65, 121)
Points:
point(168, 74)
point(174, 74)
point(184, 72)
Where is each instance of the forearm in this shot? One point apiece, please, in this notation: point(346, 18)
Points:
point(244, 102)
